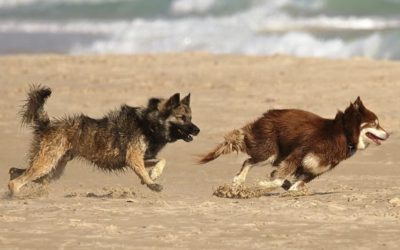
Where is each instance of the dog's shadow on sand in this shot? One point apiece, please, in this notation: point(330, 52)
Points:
point(304, 193)
point(106, 193)
point(245, 192)
point(40, 191)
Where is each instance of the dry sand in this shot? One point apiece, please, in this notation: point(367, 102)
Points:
point(355, 206)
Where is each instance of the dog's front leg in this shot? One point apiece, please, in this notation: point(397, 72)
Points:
point(300, 182)
point(136, 162)
point(158, 164)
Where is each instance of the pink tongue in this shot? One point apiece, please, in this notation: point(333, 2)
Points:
point(377, 141)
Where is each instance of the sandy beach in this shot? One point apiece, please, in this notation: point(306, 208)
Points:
point(355, 206)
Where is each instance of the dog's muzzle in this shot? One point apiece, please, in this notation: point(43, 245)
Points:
point(185, 131)
point(192, 130)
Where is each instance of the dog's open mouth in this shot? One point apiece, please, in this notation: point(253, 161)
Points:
point(185, 132)
point(377, 140)
point(188, 138)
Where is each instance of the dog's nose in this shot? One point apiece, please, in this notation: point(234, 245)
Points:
point(195, 130)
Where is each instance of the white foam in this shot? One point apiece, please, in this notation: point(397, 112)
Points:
point(260, 28)
point(239, 34)
point(16, 3)
point(285, 23)
point(83, 27)
point(191, 6)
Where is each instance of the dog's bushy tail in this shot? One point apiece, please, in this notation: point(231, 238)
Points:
point(234, 142)
point(32, 112)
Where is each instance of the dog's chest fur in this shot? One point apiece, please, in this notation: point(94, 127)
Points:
point(153, 147)
point(150, 129)
point(312, 164)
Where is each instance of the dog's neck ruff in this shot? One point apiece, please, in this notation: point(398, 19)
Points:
point(351, 149)
point(154, 128)
point(351, 145)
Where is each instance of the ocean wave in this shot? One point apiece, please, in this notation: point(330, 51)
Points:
point(231, 36)
point(296, 27)
point(17, 3)
point(286, 23)
point(192, 6)
point(82, 27)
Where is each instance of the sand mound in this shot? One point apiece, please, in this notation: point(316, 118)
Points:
point(248, 192)
point(240, 191)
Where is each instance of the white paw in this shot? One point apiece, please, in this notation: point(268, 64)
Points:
point(266, 184)
point(154, 174)
point(237, 180)
point(297, 186)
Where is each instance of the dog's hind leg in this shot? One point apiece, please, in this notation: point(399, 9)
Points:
point(43, 162)
point(54, 174)
point(249, 164)
point(285, 169)
point(16, 172)
point(58, 170)
point(136, 162)
point(241, 176)
point(158, 165)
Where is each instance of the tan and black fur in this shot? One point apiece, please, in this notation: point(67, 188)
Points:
point(129, 137)
point(300, 144)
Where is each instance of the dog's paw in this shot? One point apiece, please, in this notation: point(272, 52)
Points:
point(15, 172)
point(155, 187)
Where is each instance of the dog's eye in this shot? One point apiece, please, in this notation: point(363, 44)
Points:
point(181, 117)
point(185, 118)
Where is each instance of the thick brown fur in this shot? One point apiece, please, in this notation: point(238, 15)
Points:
point(128, 137)
point(234, 142)
point(300, 144)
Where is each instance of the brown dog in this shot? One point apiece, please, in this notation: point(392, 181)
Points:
point(130, 136)
point(300, 144)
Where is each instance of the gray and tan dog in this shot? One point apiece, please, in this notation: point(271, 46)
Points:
point(129, 137)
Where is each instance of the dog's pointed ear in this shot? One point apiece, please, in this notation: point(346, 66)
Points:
point(153, 103)
point(355, 106)
point(173, 101)
point(358, 105)
point(351, 121)
point(186, 100)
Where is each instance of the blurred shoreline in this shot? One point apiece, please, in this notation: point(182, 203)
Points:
point(307, 28)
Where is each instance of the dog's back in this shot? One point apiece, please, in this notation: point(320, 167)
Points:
point(280, 132)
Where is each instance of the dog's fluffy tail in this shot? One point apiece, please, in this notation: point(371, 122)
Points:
point(234, 141)
point(32, 112)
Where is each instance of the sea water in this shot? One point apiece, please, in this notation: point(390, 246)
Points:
point(312, 28)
